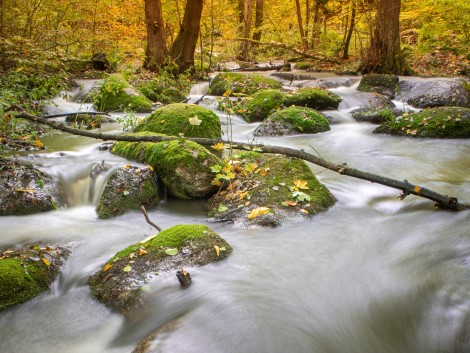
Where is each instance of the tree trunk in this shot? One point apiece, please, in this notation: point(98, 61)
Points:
point(301, 26)
point(156, 51)
point(384, 54)
point(182, 49)
point(316, 24)
point(407, 188)
point(244, 54)
point(350, 31)
point(258, 20)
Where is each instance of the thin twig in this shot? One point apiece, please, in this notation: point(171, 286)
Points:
point(144, 211)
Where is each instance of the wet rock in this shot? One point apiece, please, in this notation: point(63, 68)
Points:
point(327, 83)
point(183, 166)
point(292, 121)
point(28, 272)
point(24, 189)
point(378, 83)
point(293, 76)
point(115, 94)
point(180, 118)
point(372, 107)
point(260, 106)
point(127, 189)
point(160, 91)
point(269, 189)
point(237, 83)
point(100, 62)
point(120, 283)
point(313, 98)
point(439, 122)
point(434, 93)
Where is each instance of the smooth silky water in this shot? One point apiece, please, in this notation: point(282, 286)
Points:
point(372, 275)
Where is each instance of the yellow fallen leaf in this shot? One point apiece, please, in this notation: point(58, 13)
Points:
point(301, 184)
point(107, 267)
point(142, 251)
point(256, 212)
point(218, 146)
point(185, 273)
point(265, 171)
point(417, 188)
point(217, 250)
point(46, 261)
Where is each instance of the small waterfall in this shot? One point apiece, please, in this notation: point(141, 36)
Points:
point(197, 91)
point(84, 184)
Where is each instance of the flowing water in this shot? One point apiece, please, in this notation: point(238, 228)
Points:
point(372, 275)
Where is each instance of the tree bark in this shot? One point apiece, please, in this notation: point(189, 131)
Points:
point(182, 49)
point(156, 52)
point(316, 24)
point(384, 54)
point(245, 46)
point(350, 31)
point(301, 26)
point(407, 188)
point(259, 12)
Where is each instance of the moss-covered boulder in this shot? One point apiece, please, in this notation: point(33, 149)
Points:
point(237, 83)
point(28, 272)
point(24, 189)
point(127, 189)
point(123, 278)
point(374, 108)
point(434, 92)
point(291, 121)
point(115, 94)
point(182, 165)
point(440, 122)
point(190, 120)
point(313, 98)
point(268, 189)
point(379, 83)
point(262, 104)
point(379, 116)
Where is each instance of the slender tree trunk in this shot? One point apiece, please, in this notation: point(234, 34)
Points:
point(2, 9)
point(301, 26)
point(307, 17)
point(350, 32)
point(156, 51)
point(316, 24)
point(384, 54)
point(182, 49)
point(258, 19)
point(245, 46)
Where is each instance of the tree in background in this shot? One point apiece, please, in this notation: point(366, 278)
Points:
point(156, 52)
point(384, 54)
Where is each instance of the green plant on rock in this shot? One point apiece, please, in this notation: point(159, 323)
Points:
point(262, 104)
point(313, 98)
point(236, 83)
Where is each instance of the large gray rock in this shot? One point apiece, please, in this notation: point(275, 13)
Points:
point(434, 93)
point(372, 106)
point(24, 189)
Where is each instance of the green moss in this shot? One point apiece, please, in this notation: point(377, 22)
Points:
point(263, 102)
point(301, 119)
point(440, 122)
point(181, 118)
point(183, 166)
point(151, 89)
point(313, 98)
point(23, 276)
point(304, 65)
point(172, 95)
point(236, 83)
point(378, 83)
point(116, 94)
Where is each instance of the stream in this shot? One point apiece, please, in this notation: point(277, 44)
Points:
point(374, 274)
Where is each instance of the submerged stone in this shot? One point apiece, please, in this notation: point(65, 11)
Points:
point(24, 189)
point(269, 189)
point(231, 83)
point(190, 120)
point(439, 122)
point(119, 283)
point(291, 121)
point(182, 165)
point(127, 189)
point(313, 98)
point(28, 272)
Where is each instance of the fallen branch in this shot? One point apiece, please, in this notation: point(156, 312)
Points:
point(407, 188)
point(292, 49)
point(144, 211)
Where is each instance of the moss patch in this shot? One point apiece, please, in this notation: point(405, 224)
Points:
point(115, 94)
point(182, 165)
point(313, 98)
point(293, 120)
point(439, 122)
point(188, 119)
point(118, 283)
point(236, 83)
point(383, 84)
point(261, 105)
point(28, 272)
point(285, 186)
point(127, 189)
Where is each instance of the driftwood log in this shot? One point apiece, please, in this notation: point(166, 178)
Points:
point(407, 188)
